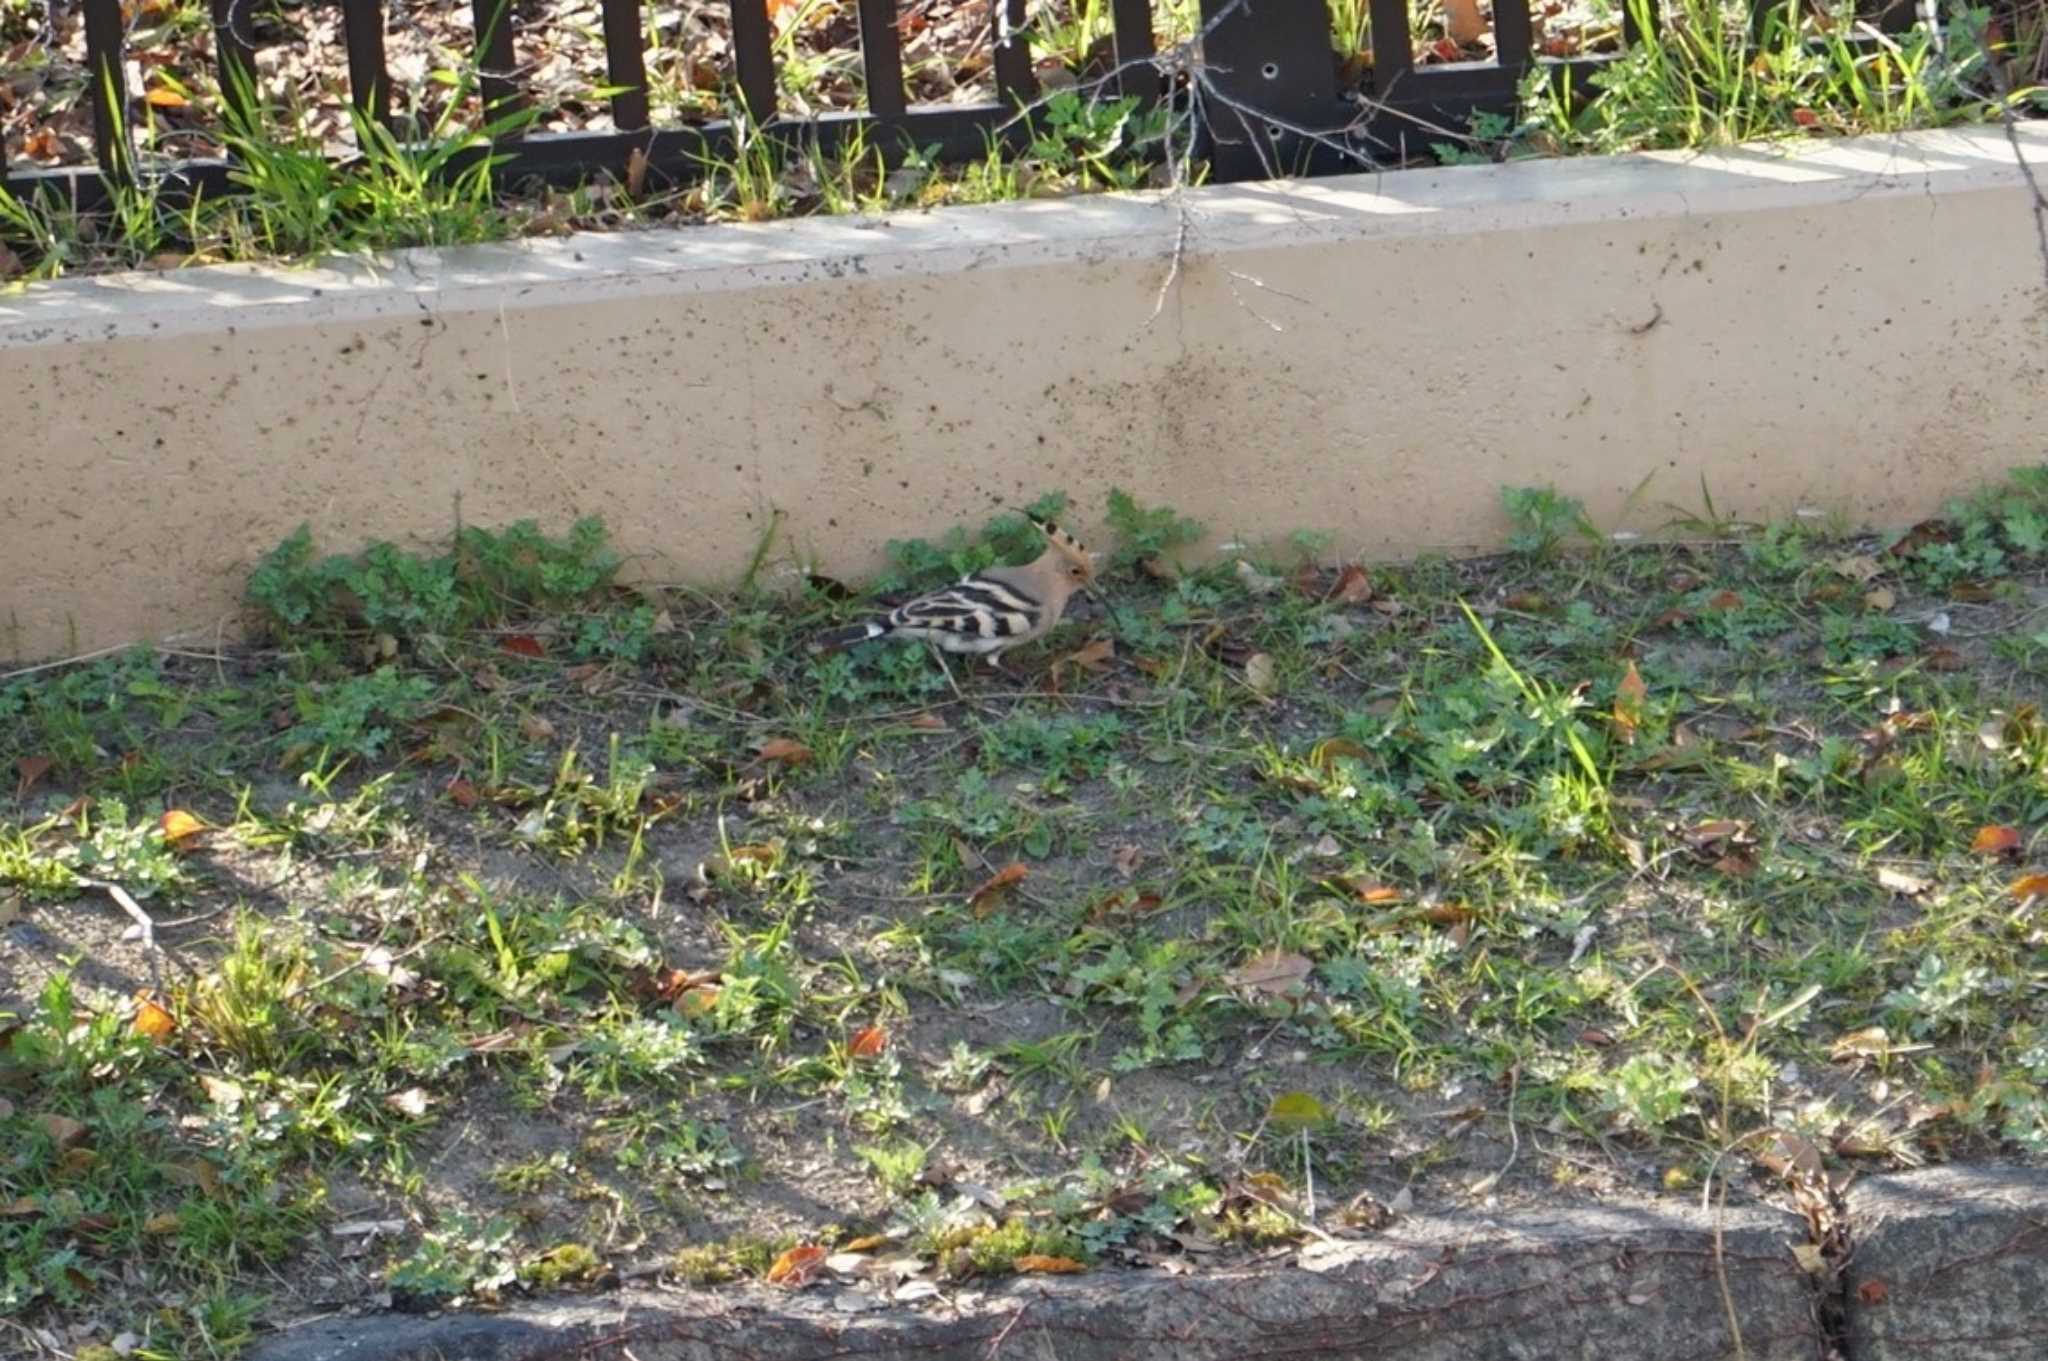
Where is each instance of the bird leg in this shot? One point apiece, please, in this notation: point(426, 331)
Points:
point(939, 655)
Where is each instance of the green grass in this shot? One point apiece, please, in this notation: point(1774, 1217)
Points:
point(580, 931)
point(1706, 80)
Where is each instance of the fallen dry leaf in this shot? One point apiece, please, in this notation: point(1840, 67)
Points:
point(1353, 586)
point(1630, 687)
point(1791, 1155)
point(1869, 1042)
point(869, 1043)
point(179, 827)
point(524, 645)
point(1371, 892)
point(152, 1021)
point(926, 723)
point(1256, 582)
point(1050, 1266)
point(984, 898)
point(1898, 881)
point(2030, 886)
point(785, 751)
point(1881, 599)
point(1873, 1293)
point(1464, 23)
point(1918, 537)
point(797, 1267)
point(1126, 858)
point(534, 728)
point(1275, 972)
point(413, 1102)
point(1857, 567)
point(1260, 673)
point(1736, 864)
point(1996, 840)
point(463, 793)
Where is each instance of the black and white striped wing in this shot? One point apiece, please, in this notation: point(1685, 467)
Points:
point(979, 615)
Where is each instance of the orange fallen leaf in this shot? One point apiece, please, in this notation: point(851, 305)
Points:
point(1873, 1292)
point(1944, 659)
point(1724, 600)
point(926, 723)
point(1631, 687)
point(161, 98)
point(1010, 875)
point(1630, 694)
point(1051, 1266)
point(463, 793)
point(1123, 903)
point(1354, 586)
point(1371, 893)
point(1091, 656)
point(2030, 886)
point(524, 645)
point(867, 1243)
point(179, 827)
point(798, 1267)
point(1996, 840)
point(697, 1002)
point(151, 1020)
point(785, 751)
point(869, 1043)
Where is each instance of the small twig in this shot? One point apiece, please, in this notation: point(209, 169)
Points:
point(1721, 1274)
point(995, 1344)
point(143, 922)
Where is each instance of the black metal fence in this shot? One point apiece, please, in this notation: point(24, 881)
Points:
point(1270, 92)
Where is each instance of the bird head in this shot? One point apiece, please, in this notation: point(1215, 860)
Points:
point(1074, 563)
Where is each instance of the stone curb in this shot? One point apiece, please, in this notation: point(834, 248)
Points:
point(1608, 1283)
point(1949, 1263)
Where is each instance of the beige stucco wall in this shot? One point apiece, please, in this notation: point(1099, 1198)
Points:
point(1855, 327)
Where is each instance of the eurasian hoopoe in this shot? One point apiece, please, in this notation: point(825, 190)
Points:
point(987, 613)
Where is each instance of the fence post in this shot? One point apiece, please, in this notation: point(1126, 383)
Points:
point(1268, 78)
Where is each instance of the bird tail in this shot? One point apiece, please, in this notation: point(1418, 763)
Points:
point(848, 636)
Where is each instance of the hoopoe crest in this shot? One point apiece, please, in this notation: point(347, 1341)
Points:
point(986, 613)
